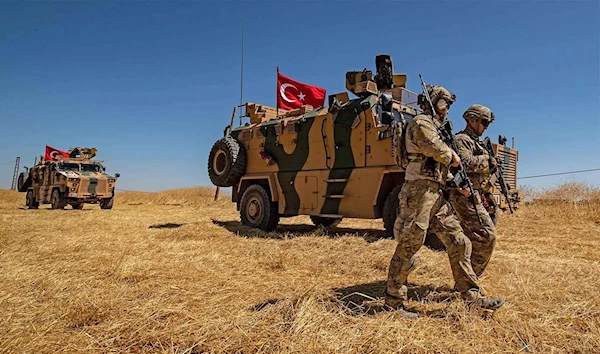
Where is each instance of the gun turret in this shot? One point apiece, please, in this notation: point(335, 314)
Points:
point(82, 152)
point(362, 83)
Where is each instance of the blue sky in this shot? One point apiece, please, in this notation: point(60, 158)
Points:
point(151, 85)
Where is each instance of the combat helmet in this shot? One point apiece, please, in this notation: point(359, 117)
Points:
point(477, 112)
point(436, 93)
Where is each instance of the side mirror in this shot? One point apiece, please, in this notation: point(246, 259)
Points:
point(117, 175)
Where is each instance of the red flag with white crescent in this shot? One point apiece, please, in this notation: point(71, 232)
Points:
point(294, 94)
point(52, 154)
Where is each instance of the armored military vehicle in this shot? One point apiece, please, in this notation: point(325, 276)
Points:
point(74, 180)
point(327, 162)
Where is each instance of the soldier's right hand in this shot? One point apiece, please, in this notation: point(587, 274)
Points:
point(493, 162)
point(455, 159)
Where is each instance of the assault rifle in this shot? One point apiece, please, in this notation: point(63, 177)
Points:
point(460, 178)
point(504, 187)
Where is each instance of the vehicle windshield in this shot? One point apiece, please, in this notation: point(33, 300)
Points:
point(66, 166)
point(90, 168)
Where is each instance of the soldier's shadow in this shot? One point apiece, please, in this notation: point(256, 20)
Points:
point(368, 299)
point(287, 231)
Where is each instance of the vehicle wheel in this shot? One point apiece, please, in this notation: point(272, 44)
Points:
point(107, 203)
point(58, 201)
point(325, 222)
point(77, 206)
point(391, 209)
point(226, 162)
point(30, 201)
point(433, 242)
point(257, 210)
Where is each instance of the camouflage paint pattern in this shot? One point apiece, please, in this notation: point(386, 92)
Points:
point(325, 164)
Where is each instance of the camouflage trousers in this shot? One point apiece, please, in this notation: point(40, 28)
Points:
point(482, 236)
point(423, 206)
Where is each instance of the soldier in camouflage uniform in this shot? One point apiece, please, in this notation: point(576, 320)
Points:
point(480, 168)
point(423, 206)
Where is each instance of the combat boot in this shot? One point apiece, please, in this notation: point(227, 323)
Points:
point(475, 299)
point(397, 304)
point(486, 303)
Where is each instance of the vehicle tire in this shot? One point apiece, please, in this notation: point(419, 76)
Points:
point(391, 209)
point(226, 162)
point(77, 206)
point(324, 222)
point(30, 200)
point(58, 200)
point(433, 242)
point(257, 210)
point(107, 203)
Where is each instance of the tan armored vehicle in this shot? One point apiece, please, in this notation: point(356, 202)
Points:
point(327, 162)
point(74, 180)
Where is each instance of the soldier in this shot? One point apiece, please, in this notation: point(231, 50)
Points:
point(480, 167)
point(423, 206)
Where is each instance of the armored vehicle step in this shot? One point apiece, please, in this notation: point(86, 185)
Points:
point(341, 180)
point(332, 216)
point(335, 196)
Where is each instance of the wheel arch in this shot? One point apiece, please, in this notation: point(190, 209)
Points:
point(267, 181)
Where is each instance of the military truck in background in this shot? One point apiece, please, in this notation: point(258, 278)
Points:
point(509, 158)
point(75, 180)
point(326, 162)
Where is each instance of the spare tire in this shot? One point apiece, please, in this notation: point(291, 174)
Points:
point(226, 162)
point(24, 182)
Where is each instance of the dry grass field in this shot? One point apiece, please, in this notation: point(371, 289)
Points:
point(175, 272)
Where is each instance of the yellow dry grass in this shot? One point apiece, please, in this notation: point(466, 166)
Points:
point(176, 272)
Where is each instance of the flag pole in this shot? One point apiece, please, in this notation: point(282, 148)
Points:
point(277, 92)
point(242, 69)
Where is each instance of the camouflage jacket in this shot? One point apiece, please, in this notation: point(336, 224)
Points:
point(428, 155)
point(475, 159)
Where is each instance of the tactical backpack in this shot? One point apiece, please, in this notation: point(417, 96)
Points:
point(399, 142)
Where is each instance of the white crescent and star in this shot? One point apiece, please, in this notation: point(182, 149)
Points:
point(53, 154)
point(282, 92)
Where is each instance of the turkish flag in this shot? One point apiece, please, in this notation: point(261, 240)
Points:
point(294, 94)
point(52, 153)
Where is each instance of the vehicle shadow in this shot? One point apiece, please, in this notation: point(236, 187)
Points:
point(63, 210)
point(286, 231)
point(368, 299)
point(169, 225)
